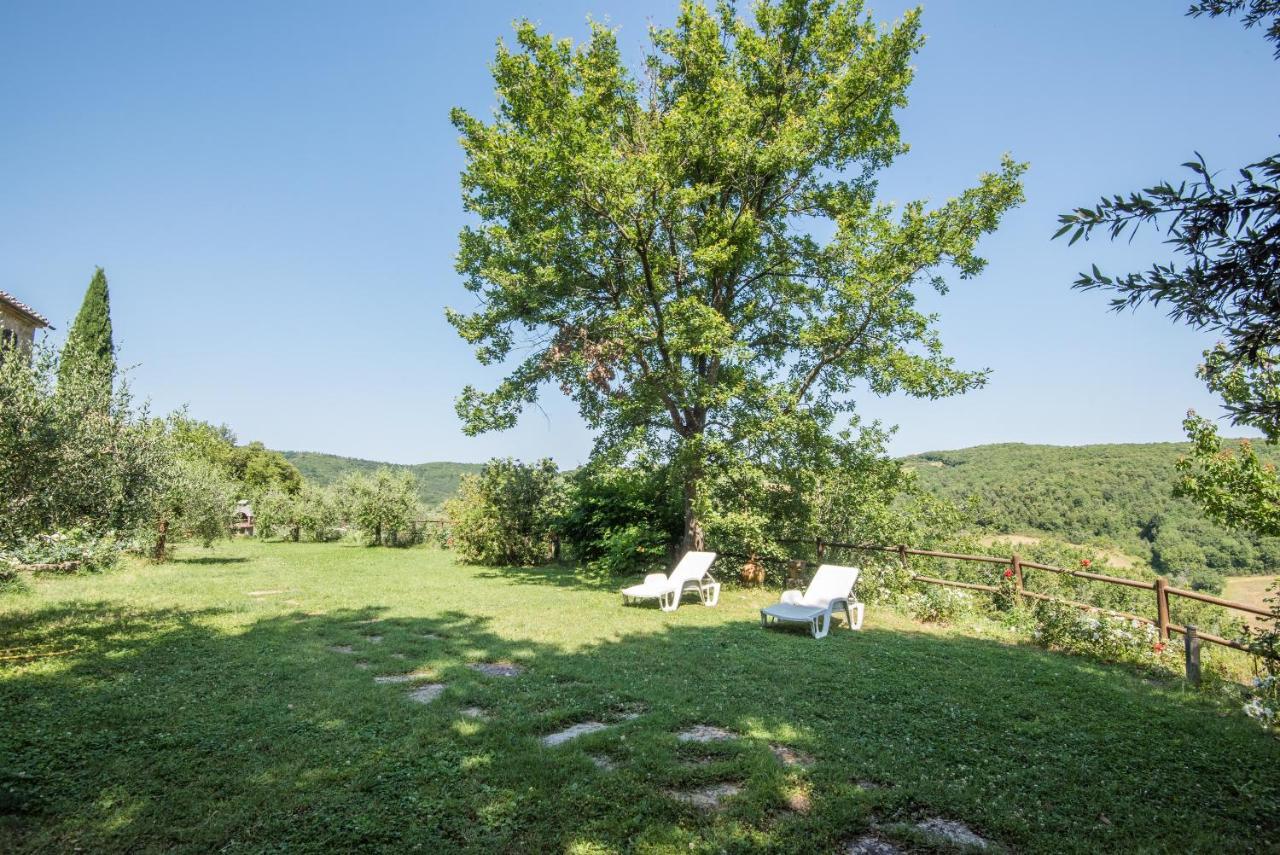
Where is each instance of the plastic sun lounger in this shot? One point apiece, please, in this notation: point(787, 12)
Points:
point(831, 589)
point(692, 573)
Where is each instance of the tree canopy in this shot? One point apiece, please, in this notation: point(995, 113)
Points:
point(696, 255)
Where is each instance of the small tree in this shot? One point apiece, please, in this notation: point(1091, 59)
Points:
point(276, 509)
point(90, 347)
point(319, 512)
point(507, 514)
point(197, 501)
point(383, 505)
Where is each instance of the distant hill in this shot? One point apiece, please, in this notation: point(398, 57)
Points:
point(1118, 495)
point(436, 481)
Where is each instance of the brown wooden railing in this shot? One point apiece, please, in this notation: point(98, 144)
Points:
point(1159, 587)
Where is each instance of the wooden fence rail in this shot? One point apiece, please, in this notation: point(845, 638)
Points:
point(1159, 587)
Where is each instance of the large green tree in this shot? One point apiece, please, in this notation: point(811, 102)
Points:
point(696, 254)
point(89, 346)
point(1227, 233)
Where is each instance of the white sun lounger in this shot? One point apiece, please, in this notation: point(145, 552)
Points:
point(831, 588)
point(691, 574)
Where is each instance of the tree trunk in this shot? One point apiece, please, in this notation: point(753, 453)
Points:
point(692, 525)
point(295, 533)
point(377, 535)
point(162, 537)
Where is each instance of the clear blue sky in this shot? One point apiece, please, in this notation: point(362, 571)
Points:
point(273, 191)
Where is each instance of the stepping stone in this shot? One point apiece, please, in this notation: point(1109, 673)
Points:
point(474, 712)
point(428, 693)
point(265, 593)
point(791, 757)
point(954, 832)
point(707, 798)
point(871, 845)
point(496, 669)
point(869, 785)
point(705, 733)
point(429, 636)
point(572, 732)
point(394, 678)
point(398, 656)
point(342, 648)
point(602, 762)
point(363, 666)
point(373, 639)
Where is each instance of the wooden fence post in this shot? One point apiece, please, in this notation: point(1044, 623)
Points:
point(902, 556)
point(822, 549)
point(1017, 575)
point(1162, 607)
point(1191, 643)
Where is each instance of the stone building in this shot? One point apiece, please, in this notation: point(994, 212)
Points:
point(19, 322)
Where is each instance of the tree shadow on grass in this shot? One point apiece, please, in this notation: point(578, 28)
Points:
point(212, 560)
point(558, 576)
point(165, 729)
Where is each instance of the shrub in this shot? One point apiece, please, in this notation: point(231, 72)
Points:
point(938, 604)
point(76, 547)
point(508, 513)
point(622, 519)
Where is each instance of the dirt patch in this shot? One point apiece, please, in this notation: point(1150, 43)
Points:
point(788, 756)
point(603, 762)
point(953, 832)
point(798, 801)
point(388, 679)
point(705, 733)
point(428, 693)
point(869, 844)
point(497, 669)
point(573, 732)
point(707, 798)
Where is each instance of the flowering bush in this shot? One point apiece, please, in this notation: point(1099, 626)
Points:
point(936, 604)
point(1263, 701)
point(74, 547)
point(1111, 639)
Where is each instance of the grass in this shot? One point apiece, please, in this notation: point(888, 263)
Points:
point(171, 710)
point(1253, 590)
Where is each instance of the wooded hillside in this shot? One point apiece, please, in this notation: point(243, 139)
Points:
point(436, 481)
point(1118, 495)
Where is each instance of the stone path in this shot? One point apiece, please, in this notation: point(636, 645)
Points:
point(428, 693)
point(869, 844)
point(497, 669)
point(705, 733)
point(953, 832)
point(572, 732)
point(791, 757)
point(707, 798)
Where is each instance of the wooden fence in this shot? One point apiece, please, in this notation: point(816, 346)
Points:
point(1160, 588)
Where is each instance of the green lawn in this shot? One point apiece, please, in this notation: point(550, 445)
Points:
point(180, 712)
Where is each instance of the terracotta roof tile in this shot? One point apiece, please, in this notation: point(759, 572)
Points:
point(6, 297)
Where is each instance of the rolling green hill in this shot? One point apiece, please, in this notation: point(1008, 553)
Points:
point(436, 481)
point(1117, 495)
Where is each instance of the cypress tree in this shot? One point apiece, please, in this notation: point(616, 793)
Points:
point(89, 343)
